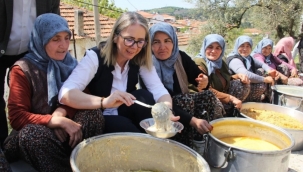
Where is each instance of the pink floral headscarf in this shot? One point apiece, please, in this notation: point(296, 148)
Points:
point(284, 46)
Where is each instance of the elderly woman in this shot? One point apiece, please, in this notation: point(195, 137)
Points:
point(263, 53)
point(44, 132)
point(240, 61)
point(111, 77)
point(283, 50)
point(230, 89)
point(177, 71)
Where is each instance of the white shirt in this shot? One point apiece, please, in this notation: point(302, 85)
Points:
point(87, 68)
point(295, 50)
point(24, 15)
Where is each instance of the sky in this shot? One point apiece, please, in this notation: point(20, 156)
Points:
point(134, 5)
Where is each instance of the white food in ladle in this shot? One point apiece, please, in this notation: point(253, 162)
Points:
point(161, 114)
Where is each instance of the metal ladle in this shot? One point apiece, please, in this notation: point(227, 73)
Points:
point(148, 106)
point(142, 104)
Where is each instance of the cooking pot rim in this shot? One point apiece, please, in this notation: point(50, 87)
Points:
point(281, 107)
point(277, 87)
point(249, 150)
point(138, 135)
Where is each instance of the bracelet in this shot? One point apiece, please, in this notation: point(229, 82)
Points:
point(102, 98)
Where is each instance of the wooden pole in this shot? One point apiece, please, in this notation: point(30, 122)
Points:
point(97, 22)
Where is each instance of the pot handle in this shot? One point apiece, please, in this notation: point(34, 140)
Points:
point(282, 100)
point(228, 154)
point(205, 136)
point(236, 112)
point(300, 106)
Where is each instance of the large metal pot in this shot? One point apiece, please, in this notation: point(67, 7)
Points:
point(298, 115)
point(289, 96)
point(234, 159)
point(119, 152)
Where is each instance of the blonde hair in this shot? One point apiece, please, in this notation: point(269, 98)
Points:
point(144, 57)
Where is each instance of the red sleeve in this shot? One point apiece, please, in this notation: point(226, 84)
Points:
point(19, 102)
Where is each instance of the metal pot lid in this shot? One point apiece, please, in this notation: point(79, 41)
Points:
point(295, 91)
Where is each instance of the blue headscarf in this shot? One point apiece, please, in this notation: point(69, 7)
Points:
point(165, 68)
point(47, 26)
point(208, 40)
point(241, 40)
point(263, 43)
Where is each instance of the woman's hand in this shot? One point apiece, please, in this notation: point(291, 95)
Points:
point(202, 81)
point(283, 78)
point(243, 78)
point(72, 128)
point(61, 134)
point(74, 131)
point(294, 72)
point(118, 98)
point(174, 118)
point(273, 73)
point(269, 80)
point(236, 102)
point(201, 125)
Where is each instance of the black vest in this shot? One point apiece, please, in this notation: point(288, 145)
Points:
point(102, 82)
point(253, 68)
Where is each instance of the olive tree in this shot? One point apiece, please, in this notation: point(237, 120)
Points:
point(226, 17)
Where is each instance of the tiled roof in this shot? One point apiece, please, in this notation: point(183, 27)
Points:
point(193, 23)
point(146, 14)
point(166, 16)
point(176, 25)
point(106, 23)
point(67, 11)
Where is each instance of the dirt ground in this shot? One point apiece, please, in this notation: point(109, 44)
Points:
point(296, 161)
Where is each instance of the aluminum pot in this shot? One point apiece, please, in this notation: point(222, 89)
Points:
point(228, 158)
point(298, 115)
point(119, 152)
point(288, 95)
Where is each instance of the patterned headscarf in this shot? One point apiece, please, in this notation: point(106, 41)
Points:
point(284, 46)
point(241, 40)
point(47, 26)
point(165, 68)
point(208, 40)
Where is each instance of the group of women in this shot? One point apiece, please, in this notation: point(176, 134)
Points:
point(55, 102)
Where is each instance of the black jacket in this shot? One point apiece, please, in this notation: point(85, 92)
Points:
point(6, 17)
point(102, 83)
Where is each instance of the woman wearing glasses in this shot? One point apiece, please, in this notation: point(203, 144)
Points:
point(110, 77)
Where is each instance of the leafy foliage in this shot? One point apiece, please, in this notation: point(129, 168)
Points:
point(278, 18)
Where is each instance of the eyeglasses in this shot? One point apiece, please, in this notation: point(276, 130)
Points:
point(130, 42)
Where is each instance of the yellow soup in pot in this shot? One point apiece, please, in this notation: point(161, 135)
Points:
point(250, 143)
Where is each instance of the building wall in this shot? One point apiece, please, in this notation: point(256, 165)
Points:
point(81, 46)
